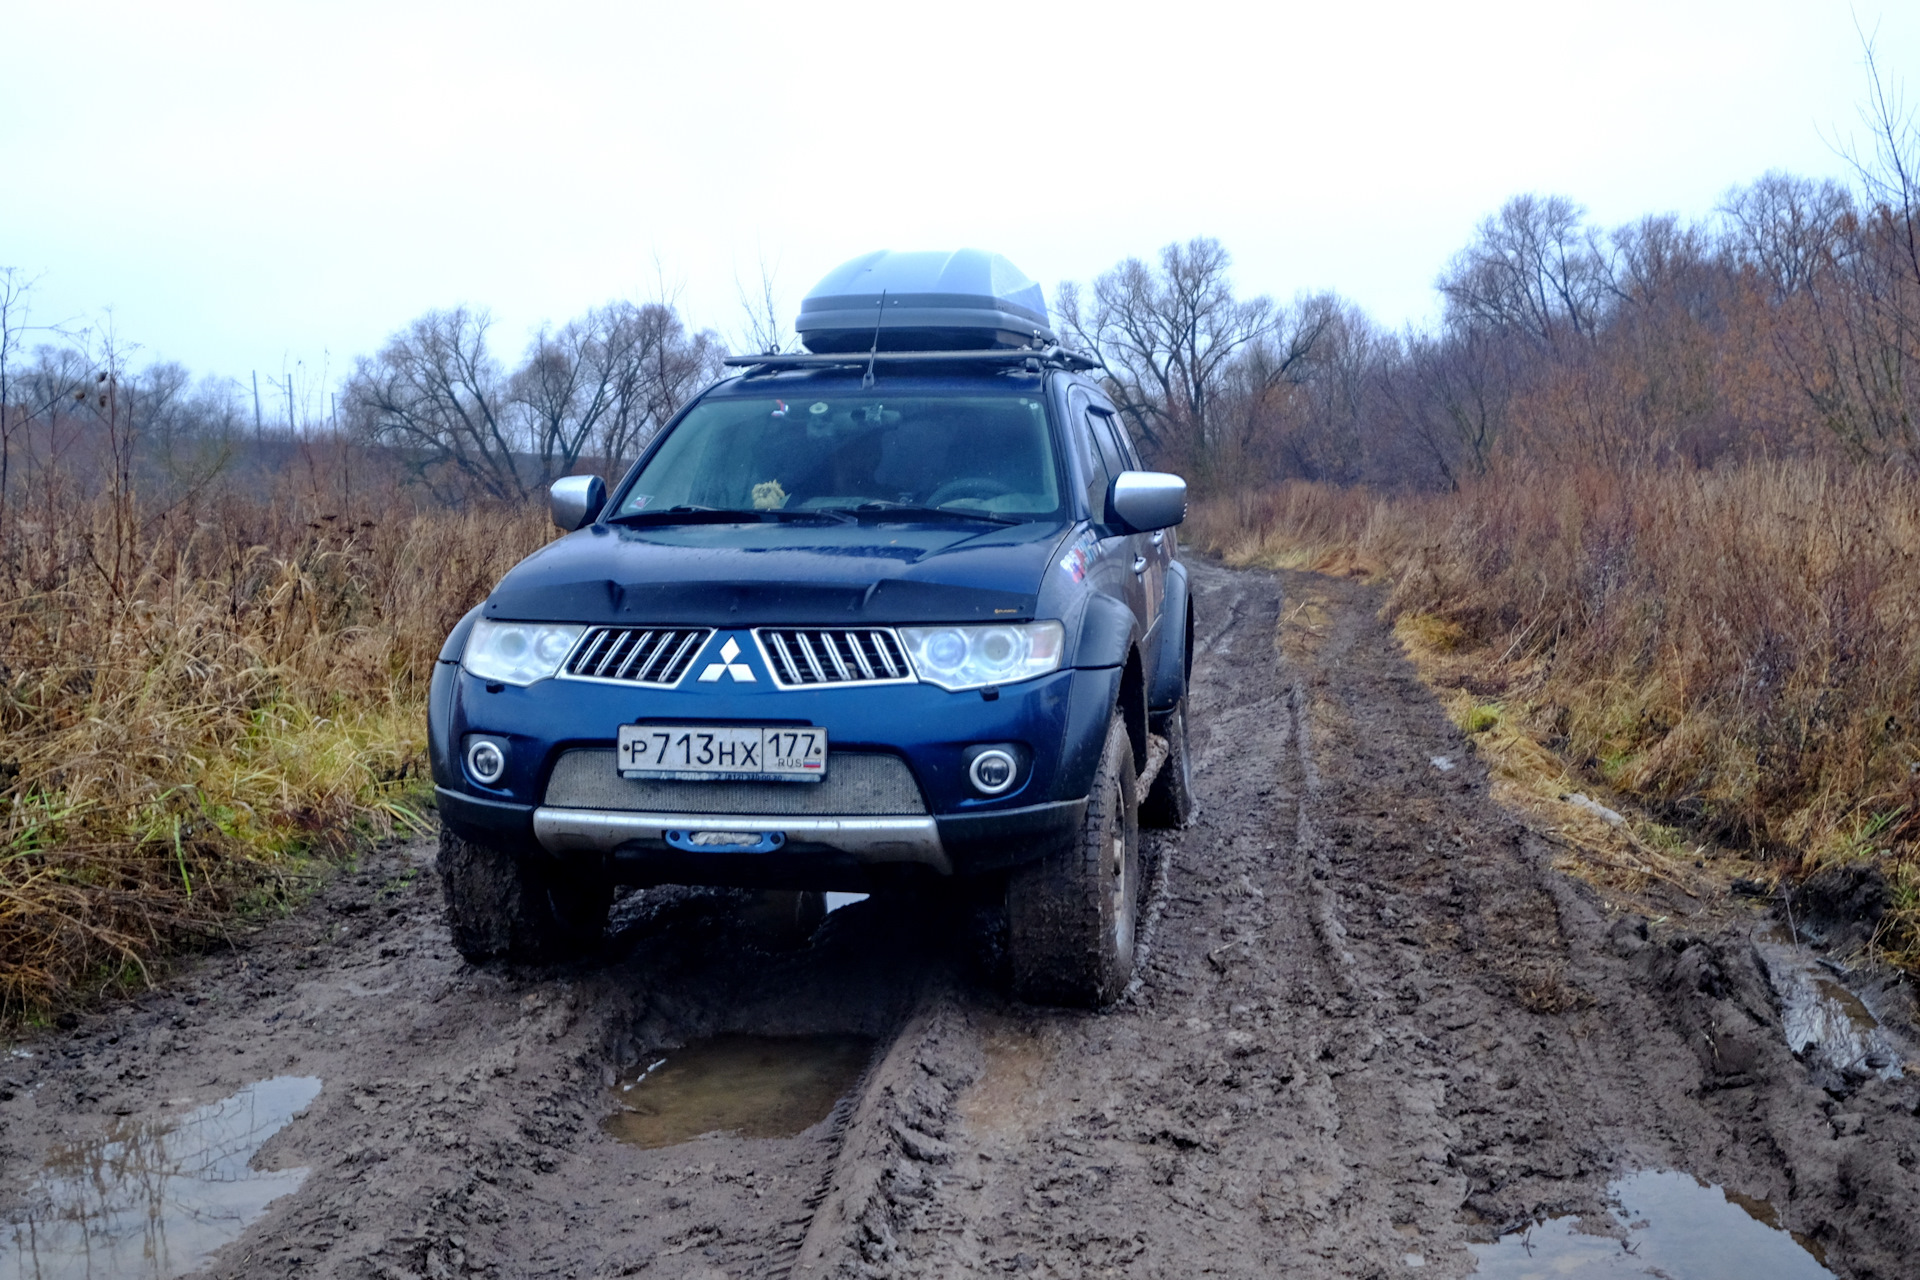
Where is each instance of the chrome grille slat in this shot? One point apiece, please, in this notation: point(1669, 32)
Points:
point(884, 651)
point(613, 652)
point(786, 673)
point(591, 651)
point(832, 647)
point(807, 657)
point(813, 663)
point(677, 664)
point(860, 656)
point(657, 656)
point(639, 647)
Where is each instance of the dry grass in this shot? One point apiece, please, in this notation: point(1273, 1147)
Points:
point(195, 704)
point(1738, 650)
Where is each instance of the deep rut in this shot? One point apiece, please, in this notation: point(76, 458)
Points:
point(1371, 1027)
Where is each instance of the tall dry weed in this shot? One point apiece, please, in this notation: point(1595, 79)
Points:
point(193, 701)
point(1739, 648)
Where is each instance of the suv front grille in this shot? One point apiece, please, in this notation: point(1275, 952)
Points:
point(637, 655)
point(800, 657)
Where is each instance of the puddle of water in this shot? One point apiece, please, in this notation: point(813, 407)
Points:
point(1674, 1225)
point(155, 1198)
point(1825, 1023)
point(746, 1086)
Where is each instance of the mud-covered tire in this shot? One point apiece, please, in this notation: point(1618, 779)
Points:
point(1169, 801)
point(1071, 915)
point(501, 907)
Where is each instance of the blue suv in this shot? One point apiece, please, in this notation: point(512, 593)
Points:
point(901, 610)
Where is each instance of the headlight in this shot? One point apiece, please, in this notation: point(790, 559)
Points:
point(517, 652)
point(973, 657)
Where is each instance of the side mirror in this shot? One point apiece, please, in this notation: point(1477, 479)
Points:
point(1149, 500)
point(576, 500)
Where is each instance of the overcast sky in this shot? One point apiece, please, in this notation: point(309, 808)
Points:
point(246, 186)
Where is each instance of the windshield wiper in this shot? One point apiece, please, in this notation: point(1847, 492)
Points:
point(910, 511)
point(694, 514)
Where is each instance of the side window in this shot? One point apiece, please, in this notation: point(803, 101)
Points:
point(1114, 447)
point(1093, 456)
point(1125, 440)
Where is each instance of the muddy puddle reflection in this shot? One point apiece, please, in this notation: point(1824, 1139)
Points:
point(744, 1086)
point(1827, 1026)
point(154, 1198)
point(1665, 1224)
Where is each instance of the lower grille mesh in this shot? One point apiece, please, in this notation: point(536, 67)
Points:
point(857, 783)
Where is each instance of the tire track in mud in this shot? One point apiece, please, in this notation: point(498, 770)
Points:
point(1374, 1027)
point(1371, 1025)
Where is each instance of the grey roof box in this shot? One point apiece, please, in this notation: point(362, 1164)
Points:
point(966, 300)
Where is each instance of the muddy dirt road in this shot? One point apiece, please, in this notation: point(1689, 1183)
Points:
point(1372, 1031)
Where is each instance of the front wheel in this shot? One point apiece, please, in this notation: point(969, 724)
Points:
point(530, 909)
point(1070, 916)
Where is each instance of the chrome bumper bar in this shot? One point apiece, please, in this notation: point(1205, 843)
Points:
point(884, 839)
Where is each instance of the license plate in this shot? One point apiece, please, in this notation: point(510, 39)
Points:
point(703, 753)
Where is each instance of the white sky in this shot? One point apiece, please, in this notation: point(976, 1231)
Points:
point(245, 186)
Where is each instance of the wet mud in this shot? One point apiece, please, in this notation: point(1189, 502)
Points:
point(746, 1086)
point(1373, 1034)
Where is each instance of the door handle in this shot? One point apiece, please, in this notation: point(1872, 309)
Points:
point(1139, 564)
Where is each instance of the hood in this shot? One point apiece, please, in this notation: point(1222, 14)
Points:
point(762, 574)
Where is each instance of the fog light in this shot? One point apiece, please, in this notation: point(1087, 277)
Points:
point(486, 761)
point(992, 771)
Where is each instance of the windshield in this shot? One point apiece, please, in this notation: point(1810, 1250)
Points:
point(977, 452)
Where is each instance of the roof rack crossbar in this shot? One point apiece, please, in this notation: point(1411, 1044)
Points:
point(1048, 357)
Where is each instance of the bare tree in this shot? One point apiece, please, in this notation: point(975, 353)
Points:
point(436, 394)
point(1533, 268)
point(1449, 393)
point(659, 367)
point(763, 331)
point(19, 406)
point(1167, 340)
point(1785, 227)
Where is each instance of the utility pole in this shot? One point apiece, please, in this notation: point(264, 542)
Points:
point(258, 430)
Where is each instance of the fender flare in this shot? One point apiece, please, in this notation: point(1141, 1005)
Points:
point(1174, 663)
point(1108, 633)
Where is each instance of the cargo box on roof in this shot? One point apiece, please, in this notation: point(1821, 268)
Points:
point(961, 301)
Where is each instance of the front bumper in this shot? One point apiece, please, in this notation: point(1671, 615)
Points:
point(856, 853)
point(1060, 719)
point(889, 839)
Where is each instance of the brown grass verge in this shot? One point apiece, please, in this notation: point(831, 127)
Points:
point(193, 706)
point(1738, 651)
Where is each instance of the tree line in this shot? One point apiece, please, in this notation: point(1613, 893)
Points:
point(1786, 323)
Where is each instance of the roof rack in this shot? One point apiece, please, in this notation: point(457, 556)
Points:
point(1035, 358)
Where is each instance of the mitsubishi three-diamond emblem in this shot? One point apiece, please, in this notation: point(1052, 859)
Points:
point(727, 666)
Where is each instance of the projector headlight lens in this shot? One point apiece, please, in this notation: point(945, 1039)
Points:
point(974, 657)
point(518, 652)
